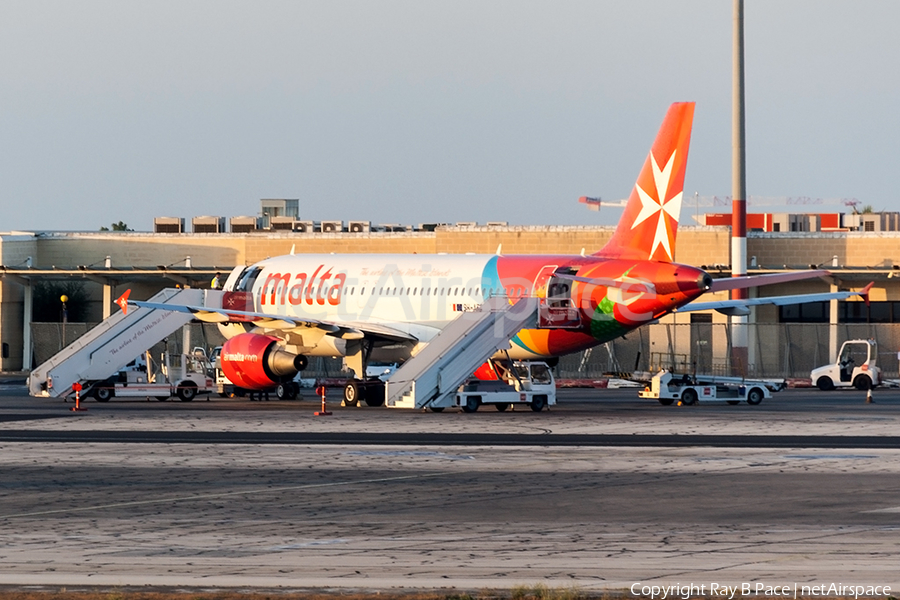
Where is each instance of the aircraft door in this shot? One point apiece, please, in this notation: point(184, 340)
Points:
point(541, 285)
point(241, 298)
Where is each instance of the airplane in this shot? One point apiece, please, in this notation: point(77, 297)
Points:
point(386, 308)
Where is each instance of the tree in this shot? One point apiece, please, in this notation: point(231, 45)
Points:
point(120, 226)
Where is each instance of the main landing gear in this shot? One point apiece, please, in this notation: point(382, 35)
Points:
point(370, 391)
point(288, 390)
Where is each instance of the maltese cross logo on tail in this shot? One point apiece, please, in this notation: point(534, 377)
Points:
point(659, 206)
point(649, 225)
point(122, 301)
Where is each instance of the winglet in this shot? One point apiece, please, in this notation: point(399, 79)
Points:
point(122, 301)
point(864, 293)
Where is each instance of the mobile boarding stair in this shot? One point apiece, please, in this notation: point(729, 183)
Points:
point(431, 377)
point(112, 344)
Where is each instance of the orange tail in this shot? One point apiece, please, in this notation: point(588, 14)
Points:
point(650, 221)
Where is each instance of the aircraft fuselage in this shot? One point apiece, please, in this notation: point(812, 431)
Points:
point(420, 293)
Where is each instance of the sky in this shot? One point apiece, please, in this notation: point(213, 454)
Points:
point(431, 111)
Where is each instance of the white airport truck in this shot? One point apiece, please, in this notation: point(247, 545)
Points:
point(143, 378)
point(855, 366)
point(525, 383)
point(668, 388)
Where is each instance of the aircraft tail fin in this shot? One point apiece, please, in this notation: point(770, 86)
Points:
point(650, 220)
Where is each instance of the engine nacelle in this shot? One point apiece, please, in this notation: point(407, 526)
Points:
point(257, 362)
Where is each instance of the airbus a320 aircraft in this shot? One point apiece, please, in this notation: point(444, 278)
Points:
point(386, 308)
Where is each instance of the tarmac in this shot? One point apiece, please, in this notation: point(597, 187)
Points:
point(424, 516)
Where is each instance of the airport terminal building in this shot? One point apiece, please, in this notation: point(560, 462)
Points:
point(94, 268)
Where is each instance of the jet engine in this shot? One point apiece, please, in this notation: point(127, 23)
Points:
point(255, 362)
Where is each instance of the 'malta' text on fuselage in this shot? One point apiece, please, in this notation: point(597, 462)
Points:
point(308, 289)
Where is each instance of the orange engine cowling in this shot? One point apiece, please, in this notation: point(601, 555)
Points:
point(256, 362)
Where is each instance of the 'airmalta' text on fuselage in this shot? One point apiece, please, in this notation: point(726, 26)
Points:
point(280, 288)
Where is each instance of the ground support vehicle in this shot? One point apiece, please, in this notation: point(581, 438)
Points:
point(668, 388)
point(855, 366)
point(526, 383)
point(144, 380)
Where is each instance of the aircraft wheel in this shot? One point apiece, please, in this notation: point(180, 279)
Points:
point(103, 394)
point(862, 383)
point(352, 393)
point(755, 396)
point(825, 383)
point(376, 398)
point(472, 404)
point(436, 408)
point(538, 404)
point(689, 396)
point(733, 402)
point(502, 406)
point(666, 401)
point(187, 391)
point(284, 390)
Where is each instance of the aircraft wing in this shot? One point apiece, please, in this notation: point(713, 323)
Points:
point(207, 314)
point(742, 307)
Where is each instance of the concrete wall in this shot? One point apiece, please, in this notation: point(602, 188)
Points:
point(853, 248)
point(701, 246)
point(14, 251)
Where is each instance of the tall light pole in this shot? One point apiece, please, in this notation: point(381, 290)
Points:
point(739, 341)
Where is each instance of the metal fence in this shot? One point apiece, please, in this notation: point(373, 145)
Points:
point(775, 349)
point(47, 340)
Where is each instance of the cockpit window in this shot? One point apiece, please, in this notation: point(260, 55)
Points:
point(247, 279)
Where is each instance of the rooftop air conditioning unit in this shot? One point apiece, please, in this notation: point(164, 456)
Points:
point(244, 224)
point(467, 224)
point(359, 226)
point(497, 224)
point(168, 225)
point(208, 224)
point(282, 223)
point(429, 226)
point(332, 226)
point(306, 226)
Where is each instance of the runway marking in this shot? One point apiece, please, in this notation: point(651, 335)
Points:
point(831, 456)
point(410, 453)
point(893, 509)
point(221, 495)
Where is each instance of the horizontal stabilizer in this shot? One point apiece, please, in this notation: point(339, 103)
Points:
point(736, 305)
point(748, 281)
